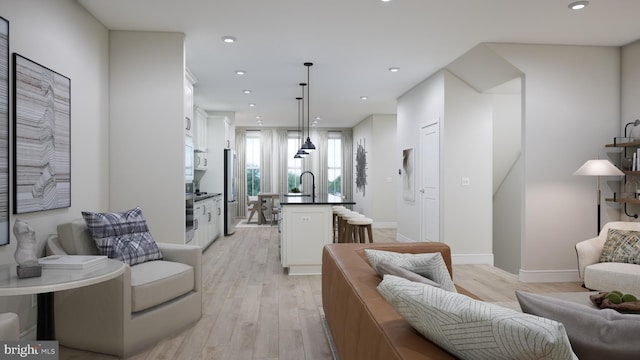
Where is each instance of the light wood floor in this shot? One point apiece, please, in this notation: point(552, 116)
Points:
point(253, 310)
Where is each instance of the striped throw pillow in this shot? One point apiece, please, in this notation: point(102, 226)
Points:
point(472, 329)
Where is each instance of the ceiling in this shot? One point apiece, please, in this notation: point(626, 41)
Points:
point(352, 44)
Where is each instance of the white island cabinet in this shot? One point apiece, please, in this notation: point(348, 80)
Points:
point(306, 227)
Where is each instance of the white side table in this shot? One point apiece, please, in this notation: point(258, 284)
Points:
point(53, 280)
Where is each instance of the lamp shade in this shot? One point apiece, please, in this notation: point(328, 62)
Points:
point(600, 167)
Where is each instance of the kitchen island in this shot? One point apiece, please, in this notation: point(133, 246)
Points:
point(306, 227)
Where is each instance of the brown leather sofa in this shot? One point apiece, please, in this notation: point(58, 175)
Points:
point(363, 324)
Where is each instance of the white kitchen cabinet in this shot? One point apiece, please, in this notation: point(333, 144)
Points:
point(208, 213)
point(189, 80)
point(215, 221)
point(201, 161)
point(200, 218)
point(200, 131)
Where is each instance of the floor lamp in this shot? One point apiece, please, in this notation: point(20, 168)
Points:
point(598, 168)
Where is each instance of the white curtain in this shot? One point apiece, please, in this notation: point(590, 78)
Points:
point(347, 164)
point(283, 143)
point(241, 172)
point(266, 164)
point(322, 142)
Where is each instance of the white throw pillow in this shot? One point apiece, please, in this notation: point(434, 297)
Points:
point(472, 329)
point(429, 265)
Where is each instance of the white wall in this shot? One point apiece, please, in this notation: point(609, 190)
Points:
point(417, 108)
point(507, 180)
point(630, 103)
point(64, 37)
point(363, 136)
point(385, 175)
point(378, 133)
point(146, 92)
point(571, 109)
point(466, 152)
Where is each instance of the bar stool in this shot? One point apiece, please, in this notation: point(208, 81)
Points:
point(345, 234)
point(341, 222)
point(357, 226)
point(337, 209)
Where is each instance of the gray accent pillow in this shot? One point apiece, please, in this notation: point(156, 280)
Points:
point(621, 246)
point(472, 329)
point(595, 334)
point(386, 268)
point(429, 265)
point(122, 236)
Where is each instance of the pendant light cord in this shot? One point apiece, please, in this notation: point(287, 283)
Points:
point(308, 65)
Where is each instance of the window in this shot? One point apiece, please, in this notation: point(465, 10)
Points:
point(253, 162)
point(294, 166)
point(334, 163)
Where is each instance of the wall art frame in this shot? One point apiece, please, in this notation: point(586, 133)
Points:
point(4, 131)
point(408, 186)
point(41, 137)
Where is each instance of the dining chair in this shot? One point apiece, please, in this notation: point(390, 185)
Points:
point(252, 207)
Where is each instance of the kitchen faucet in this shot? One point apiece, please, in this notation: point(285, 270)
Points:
point(313, 185)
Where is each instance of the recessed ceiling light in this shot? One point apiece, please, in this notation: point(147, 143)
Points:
point(246, 91)
point(258, 117)
point(252, 104)
point(364, 97)
point(228, 39)
point(385, 0)
point(317, 118)
point(394, 69)
point(578, 5)
point(240, 72)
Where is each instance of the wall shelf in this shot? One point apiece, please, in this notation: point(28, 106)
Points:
point(624, 144)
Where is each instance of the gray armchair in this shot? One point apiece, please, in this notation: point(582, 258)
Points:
point(122, 316)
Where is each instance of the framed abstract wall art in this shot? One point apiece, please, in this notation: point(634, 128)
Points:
point(4, 131)
point(42, 137)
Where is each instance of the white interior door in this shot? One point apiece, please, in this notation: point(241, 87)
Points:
point(430, 183)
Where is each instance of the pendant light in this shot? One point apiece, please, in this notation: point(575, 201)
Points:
point(301, 154)
point(308, 145)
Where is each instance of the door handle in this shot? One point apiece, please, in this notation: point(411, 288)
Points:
point(422, 191)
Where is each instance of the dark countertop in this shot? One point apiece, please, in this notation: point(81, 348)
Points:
point(202, 196)
point(321, 199)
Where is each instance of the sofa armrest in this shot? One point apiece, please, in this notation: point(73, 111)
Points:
point(53, 246)
point(588, 252)
point(186, 254)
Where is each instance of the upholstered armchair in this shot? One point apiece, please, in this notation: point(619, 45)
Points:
point(612, 275)
point(122, 316)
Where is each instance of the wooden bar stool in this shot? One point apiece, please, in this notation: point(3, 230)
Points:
point(345, 233)
point(337, 209)
point(357, 226)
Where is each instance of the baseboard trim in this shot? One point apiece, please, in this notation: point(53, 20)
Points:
point(384, 225)
point(541, 276)
point(472, 259)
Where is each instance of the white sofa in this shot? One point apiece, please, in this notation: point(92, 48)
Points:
point(150, 301)
point(607, 276)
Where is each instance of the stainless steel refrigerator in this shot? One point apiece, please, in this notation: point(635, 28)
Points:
point(230, 191)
